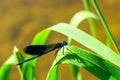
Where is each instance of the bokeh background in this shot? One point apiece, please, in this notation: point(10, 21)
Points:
point(21, 20)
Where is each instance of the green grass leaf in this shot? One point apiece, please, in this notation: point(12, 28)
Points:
point(5, 72)
point(28, 68)
point(75, 21)
point(53, 73)
point(109, 68)
point(76, 73)
point(89, 61)
point(41, 37)
point(79, 57)
point(5, 68)
point(80, 16)
point(88, 41)
point(115, 72)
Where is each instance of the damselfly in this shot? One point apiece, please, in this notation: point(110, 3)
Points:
point(40, 50)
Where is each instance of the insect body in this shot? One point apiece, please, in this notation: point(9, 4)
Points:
point(40, 50)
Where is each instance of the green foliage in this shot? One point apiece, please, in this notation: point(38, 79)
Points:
point(101, 61)
point(5, 68)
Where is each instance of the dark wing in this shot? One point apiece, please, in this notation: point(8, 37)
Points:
point(34, 49)
point(39, 49)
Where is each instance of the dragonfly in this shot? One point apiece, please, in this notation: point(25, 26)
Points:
point(39, 50)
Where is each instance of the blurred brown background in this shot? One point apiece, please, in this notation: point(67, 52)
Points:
point(21, 20)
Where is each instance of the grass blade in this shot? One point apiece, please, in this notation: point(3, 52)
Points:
point(5, 68)
point(75, 21)
point(53, 73)
point(88, 41)
point(29, 67)
point(85, 59)
point(105, 25)
point(80, 16)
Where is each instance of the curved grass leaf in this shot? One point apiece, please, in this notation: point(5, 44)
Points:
point(41, 37)
point(87, 60)
point(88, 41)
point(75, 21)
point(113, 70)
point(53, 73)
point(5, 72)
point(19, 57)
point(80, 16)
point(76, 72)
point(89, 56)
point(5, 68)
point(101, 63)
point(112, 78)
